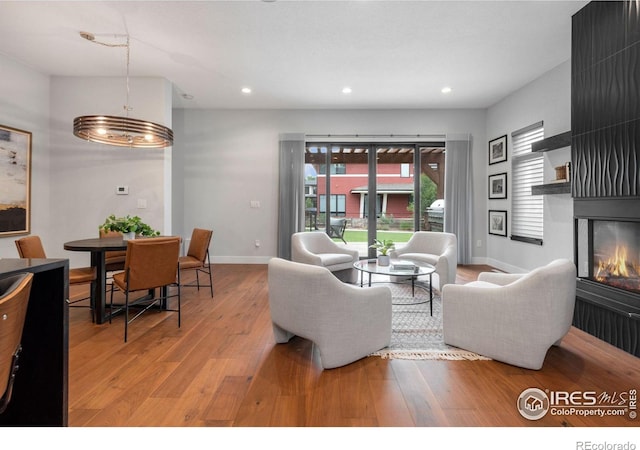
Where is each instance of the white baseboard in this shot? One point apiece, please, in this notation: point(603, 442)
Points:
point(508, 268)
point(505, 267)
point(240, 259)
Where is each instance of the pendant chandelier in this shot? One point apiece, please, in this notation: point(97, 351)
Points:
point(118, 130)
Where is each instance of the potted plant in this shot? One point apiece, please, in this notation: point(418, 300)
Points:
point(130, 227)
point(383, 247)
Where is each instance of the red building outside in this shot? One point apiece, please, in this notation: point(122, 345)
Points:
point(349, 179)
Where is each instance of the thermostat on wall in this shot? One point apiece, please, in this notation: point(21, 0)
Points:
point(122, 190)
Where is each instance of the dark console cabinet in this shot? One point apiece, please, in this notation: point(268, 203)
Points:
point(40, 392)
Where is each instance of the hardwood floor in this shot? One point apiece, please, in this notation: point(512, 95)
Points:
point(222, 368)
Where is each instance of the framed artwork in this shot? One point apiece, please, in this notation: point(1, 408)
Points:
point(498, 186)
point(15, 181)
point(498, 223)
point(498, 150)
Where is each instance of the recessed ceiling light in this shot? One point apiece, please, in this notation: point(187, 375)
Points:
point(346, 90)
point(445, 90)
point(246, 90)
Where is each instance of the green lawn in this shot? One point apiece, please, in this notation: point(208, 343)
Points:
point(361, 235)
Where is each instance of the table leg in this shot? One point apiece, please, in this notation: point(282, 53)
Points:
point(99, 300)
point(431, 292)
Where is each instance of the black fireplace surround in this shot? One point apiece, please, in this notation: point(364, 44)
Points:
point(605, 156)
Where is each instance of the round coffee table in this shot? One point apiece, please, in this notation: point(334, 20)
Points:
point(398, 268)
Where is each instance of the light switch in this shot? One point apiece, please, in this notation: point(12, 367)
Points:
point(142, 203)
point(255, 204)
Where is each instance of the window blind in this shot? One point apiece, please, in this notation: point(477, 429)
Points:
point(527, 211)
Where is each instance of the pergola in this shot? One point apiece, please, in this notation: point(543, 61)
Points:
point(432, 157)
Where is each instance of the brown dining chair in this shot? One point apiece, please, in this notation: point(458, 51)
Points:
point(14, 299)
point(31, 247)
point(150, 263)
point(197, 257)
point(113, 260)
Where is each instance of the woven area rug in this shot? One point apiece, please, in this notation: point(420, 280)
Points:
point(415, 334)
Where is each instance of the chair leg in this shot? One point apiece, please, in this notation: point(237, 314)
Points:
point(206, 268)
point(208, 265)
point(126, 314)
point(6, 397)
point(179, 300)
point(111, 304)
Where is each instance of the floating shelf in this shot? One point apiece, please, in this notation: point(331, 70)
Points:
point(551, 188)
point(552, 143)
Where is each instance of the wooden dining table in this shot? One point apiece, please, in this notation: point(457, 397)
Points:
point(98, 247)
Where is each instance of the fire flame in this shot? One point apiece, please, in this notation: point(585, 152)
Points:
point(615, 266)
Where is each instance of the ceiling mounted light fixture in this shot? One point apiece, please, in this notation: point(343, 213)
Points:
point(117, 130)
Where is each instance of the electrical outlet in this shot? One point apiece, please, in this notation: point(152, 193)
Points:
point(257, 243)
point(479, 243)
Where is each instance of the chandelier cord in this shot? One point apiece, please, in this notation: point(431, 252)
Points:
point(92, 38)
point(126, 105)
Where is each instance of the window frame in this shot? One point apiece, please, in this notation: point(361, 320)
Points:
point(527, 169)
point(336, 201)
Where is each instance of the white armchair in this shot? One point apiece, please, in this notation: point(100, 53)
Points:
point(513, 318)
point(435, 248)
point(316, 248)
point(346, 322)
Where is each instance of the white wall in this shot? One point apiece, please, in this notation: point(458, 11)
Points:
point(227, 158)
point(223, 159)
point(548, 99)
point(24, 104)
point(84, 175)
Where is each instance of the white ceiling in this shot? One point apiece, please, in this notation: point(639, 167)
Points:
point(300, 54)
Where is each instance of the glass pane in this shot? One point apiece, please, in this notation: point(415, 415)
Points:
point(314, 186)
point(431, 188)
point(346, 192)
point(616, 254)
point(394, 193)
point(349, 181)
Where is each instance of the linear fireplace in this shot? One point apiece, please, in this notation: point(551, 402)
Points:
point(608, 255)
point(616, 254)
point(607, 238)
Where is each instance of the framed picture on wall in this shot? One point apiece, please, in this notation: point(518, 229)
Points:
point(498, 150)
point(498, 186)
point(498, 223)
point(15, 181)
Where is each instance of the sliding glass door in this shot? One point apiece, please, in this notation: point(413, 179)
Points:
point(358, 192)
